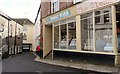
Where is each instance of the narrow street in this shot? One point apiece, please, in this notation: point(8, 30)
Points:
point(25, 63)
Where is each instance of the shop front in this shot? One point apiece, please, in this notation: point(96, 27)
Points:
point(87, 27)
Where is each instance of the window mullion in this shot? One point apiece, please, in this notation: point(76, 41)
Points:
point(94, 38)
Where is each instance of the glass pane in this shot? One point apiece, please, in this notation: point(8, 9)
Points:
point(103, 32)
point(72, 35)
point(86, 15)
point(87, 33)
point(118, 26)
point(103, 16)
point(63, 41)
point(56, 37)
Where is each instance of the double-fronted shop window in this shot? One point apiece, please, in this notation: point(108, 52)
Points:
point(65, 34)
point(96, 31)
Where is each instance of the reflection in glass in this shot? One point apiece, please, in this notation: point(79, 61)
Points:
point(56, 37)
point(103, 31)
point(63, 40)
point(87, 32)
point(72, 35)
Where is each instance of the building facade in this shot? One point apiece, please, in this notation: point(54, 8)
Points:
point(28, 33)
point(83, 26)
point(10, 35)
point(37, 29)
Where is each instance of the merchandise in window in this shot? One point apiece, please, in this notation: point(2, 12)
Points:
point(87, 32)
point(63, 40)
point(72, 35)
point(65, 34)
point(103, 31)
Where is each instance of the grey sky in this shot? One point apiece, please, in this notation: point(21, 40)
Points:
point(20, 8)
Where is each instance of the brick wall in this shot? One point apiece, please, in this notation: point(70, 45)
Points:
point(63, 5)
point(46, 7)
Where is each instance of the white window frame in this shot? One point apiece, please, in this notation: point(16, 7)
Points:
point(56, 7)
point(75, 1)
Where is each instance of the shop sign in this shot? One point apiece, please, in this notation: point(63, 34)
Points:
point(93, 4)
point(59, 16)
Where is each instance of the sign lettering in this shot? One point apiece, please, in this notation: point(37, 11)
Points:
point(91, 4)
point(59, 16)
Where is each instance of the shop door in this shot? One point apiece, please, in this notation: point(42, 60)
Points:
point(47, 43)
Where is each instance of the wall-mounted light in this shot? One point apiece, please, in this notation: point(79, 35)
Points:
point(1, 27)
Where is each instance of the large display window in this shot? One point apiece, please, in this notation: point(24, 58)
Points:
point(87, 32)
point(96, 27)
point(103, 30)
point(65, 34)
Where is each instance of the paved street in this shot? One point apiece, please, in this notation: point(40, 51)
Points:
point(25, 63)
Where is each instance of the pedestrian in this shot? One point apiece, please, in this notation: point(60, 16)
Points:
point(38, 50)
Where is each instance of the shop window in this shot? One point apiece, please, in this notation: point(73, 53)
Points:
point(103, 31)
point(63, 35)
point(56, 37)
point(87, 32)
point(97, 18)
point(106, 17)
point(103, 16)
point(72, 35)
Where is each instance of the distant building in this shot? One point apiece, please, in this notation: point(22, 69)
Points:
point(28, 31)
point(10, 35)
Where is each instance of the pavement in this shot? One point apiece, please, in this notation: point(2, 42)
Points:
point(80, 65)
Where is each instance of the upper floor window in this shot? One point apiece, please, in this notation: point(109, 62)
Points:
point(54, 5)
point(24, 28)
point(1, 27)
point(75, 1)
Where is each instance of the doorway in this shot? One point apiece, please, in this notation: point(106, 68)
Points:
point(47, 43)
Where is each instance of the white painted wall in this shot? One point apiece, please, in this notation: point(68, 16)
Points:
point(37, 30)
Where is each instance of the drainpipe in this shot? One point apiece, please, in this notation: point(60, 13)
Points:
point(15, 36)
point(8, 36)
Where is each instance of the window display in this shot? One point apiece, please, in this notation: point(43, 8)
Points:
point(103, 31)
point(65, 34)
point(72, 35)
point(87, 32)
point(63, 40)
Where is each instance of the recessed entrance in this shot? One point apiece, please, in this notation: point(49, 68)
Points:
point(47, 44)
